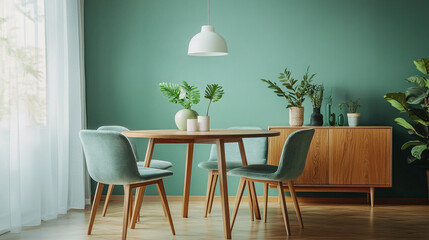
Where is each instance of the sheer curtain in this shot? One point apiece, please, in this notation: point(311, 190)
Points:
point(42, 170)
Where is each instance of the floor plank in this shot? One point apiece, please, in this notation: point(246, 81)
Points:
point(322, 221)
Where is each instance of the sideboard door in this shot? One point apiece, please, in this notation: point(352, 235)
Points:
point(360, 156)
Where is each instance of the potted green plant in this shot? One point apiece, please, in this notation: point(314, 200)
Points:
point(185, 95)
point(414, 102)
point(316, 96)
point(295, 94)
point(213, 93)
point(352, 115)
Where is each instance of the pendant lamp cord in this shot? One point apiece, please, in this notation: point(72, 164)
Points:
point(208, 10)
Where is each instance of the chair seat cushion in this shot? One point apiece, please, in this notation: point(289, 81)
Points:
point(148, 174)
point(212, 165)
point(256, 171)
point(159, 164)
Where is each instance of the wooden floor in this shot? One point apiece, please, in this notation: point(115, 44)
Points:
point(322, 221)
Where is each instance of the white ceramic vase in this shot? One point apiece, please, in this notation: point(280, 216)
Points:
point(182, 116)
point(296, 116)
point(204, 123)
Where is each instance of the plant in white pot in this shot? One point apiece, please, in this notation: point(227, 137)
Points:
point(185, 95)
point(214, 93)
point(295, 94)
point(352, 115)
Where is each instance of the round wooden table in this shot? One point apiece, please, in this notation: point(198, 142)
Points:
point(214, 136)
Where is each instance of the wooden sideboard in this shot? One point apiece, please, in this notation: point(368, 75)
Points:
point(341, 159)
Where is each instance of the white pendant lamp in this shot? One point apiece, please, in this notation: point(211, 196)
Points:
point(207, 42)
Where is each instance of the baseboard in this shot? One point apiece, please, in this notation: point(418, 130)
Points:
point(303, 200)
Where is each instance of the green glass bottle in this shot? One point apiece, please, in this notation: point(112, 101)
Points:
point(340, 121)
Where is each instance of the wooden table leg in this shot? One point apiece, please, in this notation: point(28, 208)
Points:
point(251, 185)
point(149, 152)
point(188, 170)
point(223, 187)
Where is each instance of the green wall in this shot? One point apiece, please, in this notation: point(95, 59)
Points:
point(358, 48)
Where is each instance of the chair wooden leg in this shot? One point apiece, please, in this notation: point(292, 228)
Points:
point(106, 202)
point(137, 206)
point(265, 201)
point(142, 189)
point(284, 208)
point(255, 201)
point(127, 204)
point(161, 190)
point(208, 194)
point(215, 177)
point(95, 206)
point(250, 196)
point(130, 207)
point(240, 191)
point(295, 203)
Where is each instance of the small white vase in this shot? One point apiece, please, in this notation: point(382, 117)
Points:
point(296, 116)
point(353, 119)
point(204, 123)
point(182, 116)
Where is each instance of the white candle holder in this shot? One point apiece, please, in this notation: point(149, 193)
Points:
point(192, 125)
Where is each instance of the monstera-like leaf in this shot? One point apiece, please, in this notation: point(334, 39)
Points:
point(422, 65)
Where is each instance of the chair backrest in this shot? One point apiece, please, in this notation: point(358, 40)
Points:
point(109, 157)
point(256, 149)
point(121, 129)
point(294, 155)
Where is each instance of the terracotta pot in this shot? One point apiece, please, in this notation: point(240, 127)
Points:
point(296, 116)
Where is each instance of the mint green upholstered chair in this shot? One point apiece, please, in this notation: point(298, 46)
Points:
point(159, 164)
point(256, 153)
point(110, 160)
point(154, 163)
point(291, 165)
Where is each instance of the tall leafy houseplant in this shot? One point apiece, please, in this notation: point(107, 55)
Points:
point(294, 94)
point(185, 95)
point(414, 103)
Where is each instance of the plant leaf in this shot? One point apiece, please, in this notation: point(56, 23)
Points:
point(406, 125)
point(411, 159)
point(419, 81)
point(412, 143)
point(416, 95)
point(214, 92)
point(417, 151)
point(276, 88)
point(422, 65)
point(397, 100)
point(171, 90)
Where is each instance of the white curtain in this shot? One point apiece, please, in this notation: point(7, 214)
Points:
point(42, 170)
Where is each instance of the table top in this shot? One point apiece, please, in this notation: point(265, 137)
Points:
point(212, 134)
